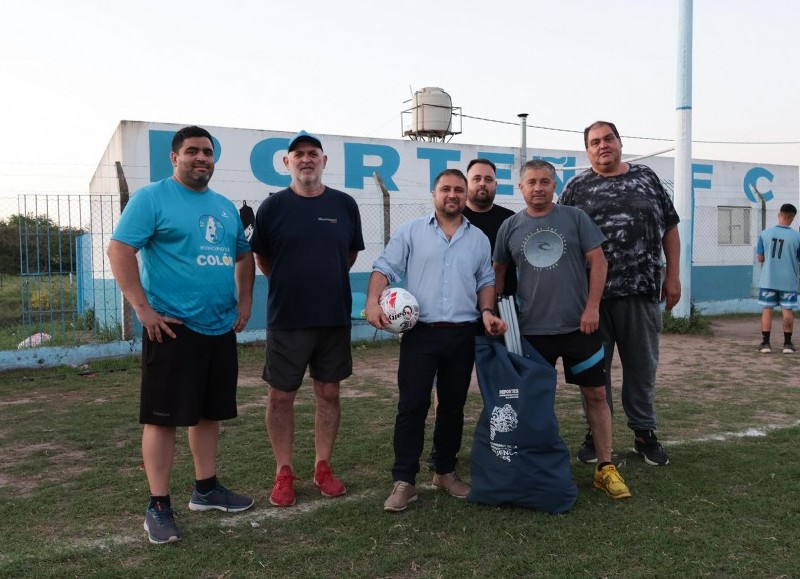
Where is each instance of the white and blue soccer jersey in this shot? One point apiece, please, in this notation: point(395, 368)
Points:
point(780, 247)
point(188, 244)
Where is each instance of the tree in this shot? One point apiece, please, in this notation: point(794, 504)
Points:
point(37, 245)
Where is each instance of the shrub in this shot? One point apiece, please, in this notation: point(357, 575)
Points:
point(694, 324)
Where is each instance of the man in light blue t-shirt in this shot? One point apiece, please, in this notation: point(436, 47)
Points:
point(779, 252)
point(194, 293)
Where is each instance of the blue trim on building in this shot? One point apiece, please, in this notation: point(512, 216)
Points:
point(721, 282)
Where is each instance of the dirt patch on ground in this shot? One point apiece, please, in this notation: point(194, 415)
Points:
point(730, 353)
point(694, 372)
point(54, 465)
point(732, 346)
point(695, 375)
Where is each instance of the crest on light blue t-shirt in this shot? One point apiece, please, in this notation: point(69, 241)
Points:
point(212, 229)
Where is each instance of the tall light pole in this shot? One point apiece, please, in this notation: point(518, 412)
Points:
point(684, 195)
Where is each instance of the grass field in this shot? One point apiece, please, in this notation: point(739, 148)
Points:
point(47, 304)
point(73, 491)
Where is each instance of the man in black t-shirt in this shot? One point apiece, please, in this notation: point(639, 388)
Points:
point(482, 211)
point(305, 240)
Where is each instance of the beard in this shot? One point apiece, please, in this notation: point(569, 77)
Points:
point(308, 178)
point(452, 209)
point(201, 178)
point(193, 178)
point(482, 198)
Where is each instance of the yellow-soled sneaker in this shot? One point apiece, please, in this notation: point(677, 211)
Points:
point(608, 479)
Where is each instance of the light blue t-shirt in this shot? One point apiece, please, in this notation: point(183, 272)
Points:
point(444, 275)
point(188, 244)
point(780, 246)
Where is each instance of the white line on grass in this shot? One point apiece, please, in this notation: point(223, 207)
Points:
point(749, 433)
point(255, 516)
point(249, 517)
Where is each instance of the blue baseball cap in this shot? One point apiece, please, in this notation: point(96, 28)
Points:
point(304, 137)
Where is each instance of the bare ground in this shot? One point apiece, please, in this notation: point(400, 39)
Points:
point(698, 378)
point(731, 349)
point(708, 386)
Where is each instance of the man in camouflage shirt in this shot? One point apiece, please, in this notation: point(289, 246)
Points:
point(638, 219)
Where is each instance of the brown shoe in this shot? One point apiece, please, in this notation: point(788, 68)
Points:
point(452, 484)
point(402, 494)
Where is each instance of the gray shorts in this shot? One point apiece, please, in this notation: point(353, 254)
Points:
point(324, 351)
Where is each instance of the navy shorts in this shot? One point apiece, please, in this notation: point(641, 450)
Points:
point(582, 355)
point(325, 352)
point(189, 377)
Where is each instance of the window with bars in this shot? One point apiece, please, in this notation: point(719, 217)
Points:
point(733, 225)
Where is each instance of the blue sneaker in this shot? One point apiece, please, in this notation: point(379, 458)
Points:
point(159, 522)
point(220, 498)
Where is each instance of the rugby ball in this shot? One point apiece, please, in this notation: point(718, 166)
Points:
point(400, 307)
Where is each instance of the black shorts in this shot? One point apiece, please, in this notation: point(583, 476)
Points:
point(188, 377)
point(324, 351)
point(582, 355)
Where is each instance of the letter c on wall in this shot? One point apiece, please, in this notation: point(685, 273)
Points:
point(751, 179)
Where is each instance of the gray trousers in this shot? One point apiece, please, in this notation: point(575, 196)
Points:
point(632, 325)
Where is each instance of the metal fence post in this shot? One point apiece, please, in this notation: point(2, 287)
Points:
point(387, 209)
point(127, 310)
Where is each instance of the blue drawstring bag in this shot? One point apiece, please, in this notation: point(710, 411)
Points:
point(518, 456)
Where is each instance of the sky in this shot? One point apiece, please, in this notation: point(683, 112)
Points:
point(71, 71)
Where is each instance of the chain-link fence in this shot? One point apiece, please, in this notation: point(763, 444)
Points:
point(54, 277)
point(56, 285)
point(727, 235)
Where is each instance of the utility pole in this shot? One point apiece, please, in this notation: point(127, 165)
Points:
point(684, 194)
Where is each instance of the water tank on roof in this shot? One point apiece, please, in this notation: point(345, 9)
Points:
point(431, 115)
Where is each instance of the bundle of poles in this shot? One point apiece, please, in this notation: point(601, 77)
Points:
point(508, 313)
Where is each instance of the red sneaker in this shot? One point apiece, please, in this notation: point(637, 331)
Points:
point(282, 494)
point(328, 484)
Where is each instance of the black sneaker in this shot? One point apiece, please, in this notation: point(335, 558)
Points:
point(219, 498)
point(586, 453)
point(650, 449)
point(765, 348)
point(788, 348)
point(159, 522)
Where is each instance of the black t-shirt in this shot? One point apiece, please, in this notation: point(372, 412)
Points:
point(489, 222)
point(308, 241)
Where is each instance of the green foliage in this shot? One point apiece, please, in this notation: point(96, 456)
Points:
point(10, 307)
point(47, 304)
point(694, 324)
point(37, 245)
point(48, 299)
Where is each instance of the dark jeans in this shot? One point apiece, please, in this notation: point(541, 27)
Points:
point(425, 352)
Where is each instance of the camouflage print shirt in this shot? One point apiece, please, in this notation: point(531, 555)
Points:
point(633, 211)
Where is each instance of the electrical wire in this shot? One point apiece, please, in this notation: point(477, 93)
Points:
point(700, 142)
